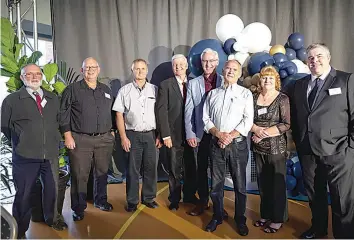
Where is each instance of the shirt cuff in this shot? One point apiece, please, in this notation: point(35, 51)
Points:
point(165, 138)
point(208, 126)
point(65, 128)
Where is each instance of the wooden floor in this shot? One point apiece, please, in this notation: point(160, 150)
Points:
point(162, 223)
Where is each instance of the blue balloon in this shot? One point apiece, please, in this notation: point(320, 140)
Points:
point(268, 62)
point(288, 81)
point(301, 54)
point(280, 57)
point(296, 41)
point(289, 67)
point(290, 182)
point(195, 64)
point(256, 62)
point(289, 163)
point(228, 46)
point(279, 64)
point(289, 171)
point(283, 73)
point(290, 53)
point(297, 170)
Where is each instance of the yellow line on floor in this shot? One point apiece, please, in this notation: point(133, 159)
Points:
point(298, 203)
point(135, 214)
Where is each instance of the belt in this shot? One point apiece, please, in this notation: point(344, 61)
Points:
point(93, 134)
point(235, 140)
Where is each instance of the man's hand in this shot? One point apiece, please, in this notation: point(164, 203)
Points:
point(126, 144)
point(221, 145)
point(158, 143)
point(261, 132)
point(224, 138)
point(168, 142)
point(192, 142)
point(69, 142)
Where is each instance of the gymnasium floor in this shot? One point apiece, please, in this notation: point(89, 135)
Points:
point(162, 223)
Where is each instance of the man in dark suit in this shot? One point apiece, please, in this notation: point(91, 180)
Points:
point(322, 106)
point(170, 121)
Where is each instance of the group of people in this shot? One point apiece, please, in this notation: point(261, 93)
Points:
point(204, 123)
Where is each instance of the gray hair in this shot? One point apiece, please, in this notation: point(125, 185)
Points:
point(318, 45)
point(178, 56)
point(84, 62)
point(139, 60)
point(27, 65)
point(209, 50)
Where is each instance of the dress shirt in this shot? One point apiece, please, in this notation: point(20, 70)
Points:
point(229, 108)
point(138, 106)
point(31, 91)
point(180, 83)
point(210, 82)
point(313, 82)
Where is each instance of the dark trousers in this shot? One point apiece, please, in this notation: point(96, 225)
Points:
point(143, 154)
point(338, 171)
point(202, 155)
point(271, 172)
point(95, 151)
point(180, 159)
point(24, 177)
point(236, 156)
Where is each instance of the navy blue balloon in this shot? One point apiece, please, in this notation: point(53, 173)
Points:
point(296, 41)
point(301, 54)
point(279, 64)
point(290, 53)
point(256, 62)
point(288, 81)
point(289, 67)
point(289, 163)
point(289, 171)
point(228, 46)
point(283, 73)
point(268, 62)
point(290, 182)
point(297, 170)
point(195, 64)
point(280, 57)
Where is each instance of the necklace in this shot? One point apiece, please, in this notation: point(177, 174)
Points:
point(265, 98)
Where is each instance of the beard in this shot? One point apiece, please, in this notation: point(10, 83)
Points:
point(33, 85)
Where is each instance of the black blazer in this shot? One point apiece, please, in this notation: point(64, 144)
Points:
point(170, 111)
point(329, 127)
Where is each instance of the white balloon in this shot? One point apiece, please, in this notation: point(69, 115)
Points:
point(231, 57)
point(257, 36)
point(228, 26)
point(301, 67)
point(241, 58)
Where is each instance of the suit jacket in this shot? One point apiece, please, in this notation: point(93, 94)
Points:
point(329, 127)
point(193, 118)
point(170, 111)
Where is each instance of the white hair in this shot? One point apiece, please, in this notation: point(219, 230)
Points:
point(179, 56)
point(23, 69)
point(84, 62)
point(209, 50)
point(318, 45)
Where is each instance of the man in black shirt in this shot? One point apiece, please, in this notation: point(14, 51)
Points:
point(85, 120)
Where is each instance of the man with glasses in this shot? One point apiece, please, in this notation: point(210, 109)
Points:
point(85, 120)
point(197, 90)
point(29, 119)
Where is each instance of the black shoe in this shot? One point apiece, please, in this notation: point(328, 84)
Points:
point(78, 216)
point(211, 227)
point(311, 234)
point(131, 207)
point(60, 225)
point(152, 204)
point(242, 229)
point(104, 207)
point(173, 206)
point(192, 200)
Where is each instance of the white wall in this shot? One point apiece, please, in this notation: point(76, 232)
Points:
point(43, 10)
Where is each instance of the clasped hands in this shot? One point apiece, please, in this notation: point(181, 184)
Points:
point(224, 139)
point(260, 134)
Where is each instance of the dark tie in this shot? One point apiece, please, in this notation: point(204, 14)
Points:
point(184, 88)
point(38, 101)
point(312, 95)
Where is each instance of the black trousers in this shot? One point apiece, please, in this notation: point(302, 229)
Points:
point(202, 153)
point(180, 167)
point(271, 173)
point(143, 154)
point(338, 171)
point(236, 156)
point(95, 151)
point(24, 177)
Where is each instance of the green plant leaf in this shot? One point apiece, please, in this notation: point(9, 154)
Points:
point(46, 86)
point(50, 70)
point(7, 52)
point(62, 162)
point(22, 61)
point(18, 48)
point(59, 87)
point(9, 64)
point(7, 33)
point(5, 73)
point(34, 57)
point(14, 84)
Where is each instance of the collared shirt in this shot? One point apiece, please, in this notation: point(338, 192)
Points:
point(138, 106)
point(313, 82)
point(180, 83)
point(86, 110)
point(31, 91)
point(210, 82)
point(229, 108)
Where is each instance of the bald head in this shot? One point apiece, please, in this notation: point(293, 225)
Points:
point(90, 69)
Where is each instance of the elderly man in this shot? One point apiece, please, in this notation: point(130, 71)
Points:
point(322, 107)
point(85, 120)
point(197, 90)
point(228, 117)
point(170, 111)
point(29, 119)
point(135, 107)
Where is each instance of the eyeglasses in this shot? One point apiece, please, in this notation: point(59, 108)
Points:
point(33, 75)
point(91, 68)
point(209, 61)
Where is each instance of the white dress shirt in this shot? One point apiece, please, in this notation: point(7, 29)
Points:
point(313, 82)
point(229, 108)
point(180, 83)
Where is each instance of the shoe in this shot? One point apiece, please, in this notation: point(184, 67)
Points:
point(60, 225)
point(78, 216)
point(242, 229)
point(212, 225)
point(152, 204)
point(131, 207)
point(225, 215)
point(198, 210)
point(311, 234)
point(104, 207)
point(173, 206)
point(270, 229)
point(192, 200)
point(260, 223)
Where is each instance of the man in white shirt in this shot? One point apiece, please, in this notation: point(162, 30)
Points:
point(228, 117)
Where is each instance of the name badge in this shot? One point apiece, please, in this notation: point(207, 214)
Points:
point(334, 91)
point(44, 102)
point(262, 111)
point(107, 95)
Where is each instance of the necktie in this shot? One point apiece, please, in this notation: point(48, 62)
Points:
point(312, 95)
point(184, 88)
point(38, 101)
